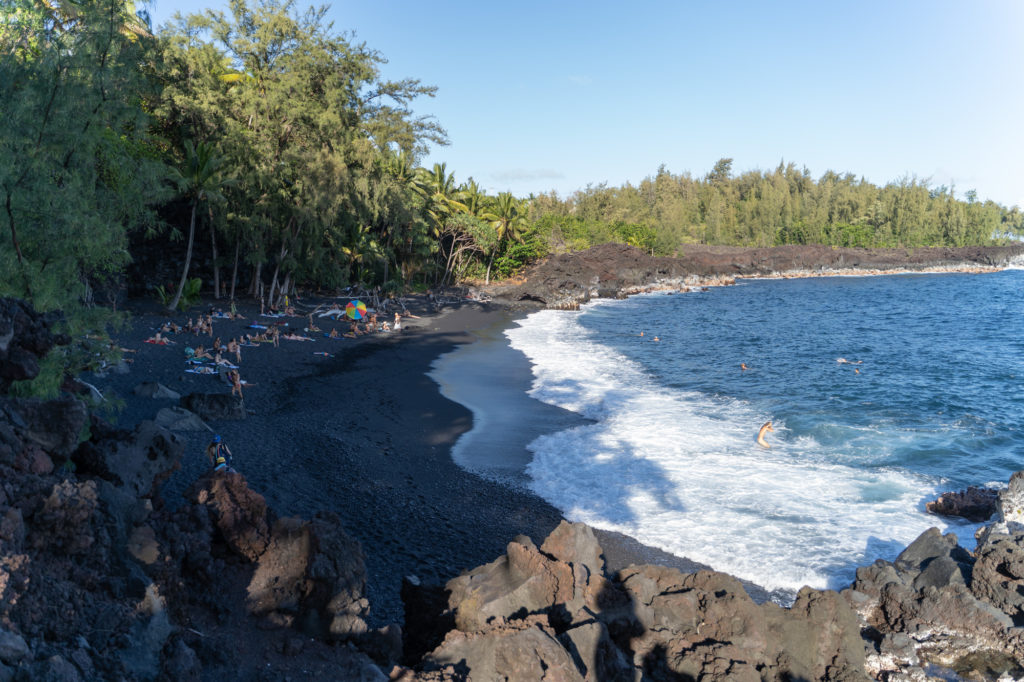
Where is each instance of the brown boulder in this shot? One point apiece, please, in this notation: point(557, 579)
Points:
point(214, 405)
point(523, 581)
point(313, 570)
point(521, 651)
point(974, 504)
point(705, 626)
point(64, 522)
point(238, 512)
point(999, 574)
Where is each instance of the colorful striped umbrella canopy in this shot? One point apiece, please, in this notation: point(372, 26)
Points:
point(355, 310)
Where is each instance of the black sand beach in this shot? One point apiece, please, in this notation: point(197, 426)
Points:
point(365, 434)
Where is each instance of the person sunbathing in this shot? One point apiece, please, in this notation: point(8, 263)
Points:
point(202, 353)
point(292, 336)
point(218, 360)
point(216, 345)
point(334, 312)
point(334, 334)
point(158, 340)
point(312, 327)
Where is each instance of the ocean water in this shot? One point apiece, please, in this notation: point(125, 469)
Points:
point(930, 399)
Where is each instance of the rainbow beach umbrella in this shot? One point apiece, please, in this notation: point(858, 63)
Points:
point(355, 310)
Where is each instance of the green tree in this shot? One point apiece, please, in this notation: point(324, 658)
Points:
point(201, 181)
point(77, 169)
point(507, 218)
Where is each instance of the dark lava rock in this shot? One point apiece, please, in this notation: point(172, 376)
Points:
point(214, 405)
point(974, 504)
point(26, 336)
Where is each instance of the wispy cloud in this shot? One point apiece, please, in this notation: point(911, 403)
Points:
point(521, 174)
point(581, 80)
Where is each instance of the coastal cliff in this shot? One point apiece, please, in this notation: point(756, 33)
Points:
point(102, 579)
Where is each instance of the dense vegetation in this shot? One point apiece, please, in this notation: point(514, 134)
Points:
point(275, 140)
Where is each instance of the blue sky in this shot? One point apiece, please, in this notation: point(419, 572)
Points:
point(540, 96)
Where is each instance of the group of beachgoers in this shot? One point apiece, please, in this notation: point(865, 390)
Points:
point(225, 359)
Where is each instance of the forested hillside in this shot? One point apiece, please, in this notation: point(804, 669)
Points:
point(770, 208)
point(272, 140)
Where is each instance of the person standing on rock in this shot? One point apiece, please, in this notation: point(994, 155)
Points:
point(219, 454)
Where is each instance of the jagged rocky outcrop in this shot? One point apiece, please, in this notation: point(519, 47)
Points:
point(26, 336)
point(553, 613)
point(974, 503)
point(565, 281)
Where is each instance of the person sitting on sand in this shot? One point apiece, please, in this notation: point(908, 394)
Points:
point(202, 353)
point(219, 454)
point(218, 360)
point(216, 345)
point(233, 347)
point(312, 327)
point(334, 334)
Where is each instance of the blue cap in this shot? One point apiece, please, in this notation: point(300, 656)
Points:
point(216, 439)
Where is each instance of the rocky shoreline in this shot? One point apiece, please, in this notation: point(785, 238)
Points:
point(566, 281)
point(101, 578)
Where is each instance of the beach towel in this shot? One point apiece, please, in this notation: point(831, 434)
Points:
point(257, 326)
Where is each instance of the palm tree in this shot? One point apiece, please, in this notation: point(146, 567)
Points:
point(443, 199)
point(506, 217)
point(201, 181)
point(473, 197)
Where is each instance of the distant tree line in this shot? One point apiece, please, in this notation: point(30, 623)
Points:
point(770, 208)
point(297, 163)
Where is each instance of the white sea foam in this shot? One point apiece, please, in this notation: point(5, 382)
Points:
point(681, 471)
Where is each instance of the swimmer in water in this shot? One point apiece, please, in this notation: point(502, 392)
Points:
point(743, 366)
point(656, 338)
point(765, 428)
